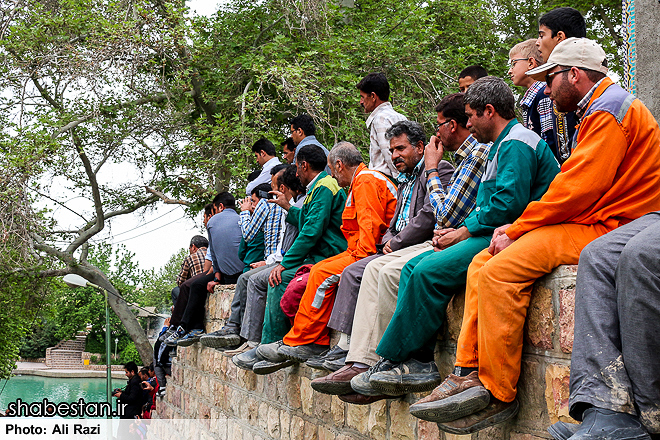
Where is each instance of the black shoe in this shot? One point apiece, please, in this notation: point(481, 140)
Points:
point(301, 353)
point(190, 338)
point(220, 339)
point(333, 354)
point(604, 424)
point(410, 376)
point(361, 383)
point(247, 359)
point(563, 430)
point(267, 367)
point(270, 353)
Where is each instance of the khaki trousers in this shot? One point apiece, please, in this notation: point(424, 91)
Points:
point(377, 300)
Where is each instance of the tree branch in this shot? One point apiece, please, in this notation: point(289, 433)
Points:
point(166, 199)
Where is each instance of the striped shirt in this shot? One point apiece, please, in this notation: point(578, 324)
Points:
point(406, 184)
point(544, 109)
point(192, 265)
point(380, 158)
point(451, 208)
point(269, 217)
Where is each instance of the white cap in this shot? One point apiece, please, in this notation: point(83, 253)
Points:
point(573, 52)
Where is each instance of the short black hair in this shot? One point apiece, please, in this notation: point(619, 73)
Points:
point(253, 175)
point(475, 72)
point(291, 180)
point(494, 91)
point(277, 168)
point(131, 366)
point(208, 209)
point(453, 107)
point(377, 83)
point(568, 20)
point(199, 241)
point(264, 145)
point(288, 142)
point(151, 367)
point(226, 199)
point(261, 190)
point(305, 122)
point(314, 156)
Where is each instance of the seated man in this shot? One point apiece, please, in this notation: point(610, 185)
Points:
point(379, 285)
point(611, 178)
point(193, 264)
point(319, 237)
point(411, 225)
point(224, 238)
point(257, 215)
point(369, 209)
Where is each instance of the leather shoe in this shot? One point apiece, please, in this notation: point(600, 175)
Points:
point(605, 424)
point(361, 399)
point(496, 412)
point(339, 382)
point(301, 353)
point(562, 430)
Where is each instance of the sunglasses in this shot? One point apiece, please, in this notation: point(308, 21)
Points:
point(550, 76)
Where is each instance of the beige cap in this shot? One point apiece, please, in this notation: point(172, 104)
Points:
point(574, 52)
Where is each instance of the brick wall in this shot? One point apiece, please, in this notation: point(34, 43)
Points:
point(230, 403)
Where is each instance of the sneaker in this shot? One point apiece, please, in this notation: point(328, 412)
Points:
point(562, 430)
point(335, 365)
point(302, 352)
point(411, 376)
point(456, 397)
point(161, 391)
point(220, 338)
point(231, 351)
point(174, 337)
point(247, 359)
point(267, 367)
point(190, 338)
point(269, 352)
point(339, 382)
point(494, 413)
point(361, 383)
point(169, 332)
point(599, 423)
point(333, 354)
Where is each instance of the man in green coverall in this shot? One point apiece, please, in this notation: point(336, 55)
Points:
point(319, 222)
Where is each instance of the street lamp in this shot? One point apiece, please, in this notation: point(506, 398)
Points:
point(73, 280)
point(116, 342)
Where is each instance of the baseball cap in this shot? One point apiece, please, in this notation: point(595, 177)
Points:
point(574, 52)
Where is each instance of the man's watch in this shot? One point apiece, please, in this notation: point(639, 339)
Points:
point(427, 173)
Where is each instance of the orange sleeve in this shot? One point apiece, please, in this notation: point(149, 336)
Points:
point(371, 206)
point(584, 178)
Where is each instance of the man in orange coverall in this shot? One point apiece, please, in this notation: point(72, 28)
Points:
point(369, 208)
point(611, 178)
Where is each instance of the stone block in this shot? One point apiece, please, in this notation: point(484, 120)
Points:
point(311, 431)
point(401, 422)
point(253, 410)
point(325, 434)
point(449, 436)
point(285, 422)
point(377, 422)
point(323, 407)
point(533, 414)
point(297, 430)
point(306, 396)
point(521, 436)
point(263, 416)
point(427, 430)
point(273, 425)
point(541, 318)
point(566, 319)
point(293, 391)
point(557, 381)
point(338, 411)
point(357, 417)
point(497, 432)
point(246, 379)
point(455, 310)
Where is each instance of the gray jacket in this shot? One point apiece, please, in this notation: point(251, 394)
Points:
point(422, 220)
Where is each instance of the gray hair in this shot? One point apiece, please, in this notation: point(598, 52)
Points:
point(346, 152)
point(413, 131)
point(494, 91)
point(199, 241)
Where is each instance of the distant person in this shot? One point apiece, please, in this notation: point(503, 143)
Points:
point(469, 75)
point(554, 27)
point(289, 150)
point(303, 132)
point(131, 396)
point(374, 99)
point(266, 157)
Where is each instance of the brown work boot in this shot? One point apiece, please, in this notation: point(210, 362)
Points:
point(361, 399)
point(454, 398)
point(339, 382)
point(494, 413)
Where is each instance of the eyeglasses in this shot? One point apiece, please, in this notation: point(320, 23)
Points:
point(513, 62)
point(440, 125)
point(550, 76)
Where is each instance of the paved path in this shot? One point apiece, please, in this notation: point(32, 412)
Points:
point(40, 369)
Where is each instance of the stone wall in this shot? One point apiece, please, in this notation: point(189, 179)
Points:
point(229, 403)
point(648, 41)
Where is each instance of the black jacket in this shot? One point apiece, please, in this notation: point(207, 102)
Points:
point(132, 397)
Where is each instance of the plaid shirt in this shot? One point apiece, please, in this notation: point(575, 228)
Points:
point(269, 217)
point(380, 158)
point(584, 102)
point(406, 184)
point(453, 207)
point(192, 265)
point(544, 108)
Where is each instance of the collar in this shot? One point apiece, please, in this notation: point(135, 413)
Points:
point(382, 107)
point(530, 94)
point(500, 138)
point(584, 102)
point(357, 171)
point(308, 140)
point(465, 149)
point(271, 163)
point(311, 184)
point(405, 178)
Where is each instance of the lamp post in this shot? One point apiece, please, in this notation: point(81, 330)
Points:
point(116, 342)
point(73, 280)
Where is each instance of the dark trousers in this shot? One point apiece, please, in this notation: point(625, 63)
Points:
point(182, 300)
point(193, 316)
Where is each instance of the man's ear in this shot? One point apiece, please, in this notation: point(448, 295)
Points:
point(532, 63)
point(561, 36)
point(489, 110)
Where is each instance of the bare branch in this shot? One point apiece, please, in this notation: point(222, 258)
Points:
point(59, 203)
point(166, 199)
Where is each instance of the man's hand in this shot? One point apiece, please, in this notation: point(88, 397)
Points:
point(257, 264)
point(167, 322)
point(387, 248)
point(246, 204)
point(439, 233)
point(275, 276)
point(443, 239)
point(433, 153)
point(500, 240)
point(146, 385)
point(211, 284)
point(281, 200)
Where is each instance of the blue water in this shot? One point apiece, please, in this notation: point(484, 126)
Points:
point(56, 390)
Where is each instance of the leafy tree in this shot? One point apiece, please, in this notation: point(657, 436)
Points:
point(157, 285)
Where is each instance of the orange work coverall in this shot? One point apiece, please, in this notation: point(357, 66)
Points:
point(369, 209)
point(611, 178)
